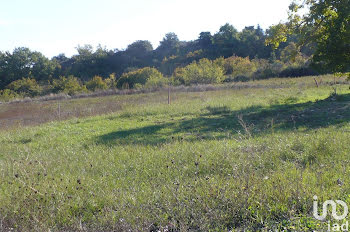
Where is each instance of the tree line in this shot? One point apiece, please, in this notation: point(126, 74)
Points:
point(316, 43)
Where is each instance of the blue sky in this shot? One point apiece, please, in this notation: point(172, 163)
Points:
point(58, 26)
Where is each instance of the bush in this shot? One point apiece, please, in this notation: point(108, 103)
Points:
point(177, 78)
point(96, 83)
point(68, 85)
point(7, 94)
point(111, 81)
point(136, 86)
point(26, 87)
point(202, 72)
point(237, 79)
point(156, 82)
point(140, 76)
point(220, 62)
point(268, 70)
point(237, 66)
point(297, 72)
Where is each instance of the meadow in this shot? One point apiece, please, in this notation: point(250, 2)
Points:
point(246, 156)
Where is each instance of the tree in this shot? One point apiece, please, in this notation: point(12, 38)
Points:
point(22, 62)
point(139, 53)
point(85, 50)
point(60, 58)
point(327, 24)
point(89, 63)
point(252, 43)
point(140, 48)
point(168, 46)
point(226, 40)
point(205, 40)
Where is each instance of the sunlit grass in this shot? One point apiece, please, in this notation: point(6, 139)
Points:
point(219, 160)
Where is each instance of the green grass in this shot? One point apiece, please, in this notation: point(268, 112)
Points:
point(211, 161)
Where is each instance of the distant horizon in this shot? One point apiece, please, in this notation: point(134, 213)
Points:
point(42, 27)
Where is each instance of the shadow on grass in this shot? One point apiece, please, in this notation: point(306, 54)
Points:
point(218, 122)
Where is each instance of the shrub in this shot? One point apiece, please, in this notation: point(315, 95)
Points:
point(156, 82)
point(267, 70)
point(297, 72)
point(7, 94)
point(177, 78)
point(237, 66)
point(111, 81)
point(136, 86)
point(290, 53)
point(139, 76)
point(202, 72)
point(240, 78)
point(68, 85)
point(26, 87)
point(221, 62)
point(96, 83)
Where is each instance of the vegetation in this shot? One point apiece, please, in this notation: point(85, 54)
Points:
point(7, 94)
point(26, 87)
point(232, 159)
point(24, 63)
point(68, 85)
point(326, 28)
point(97, 83)
point(246, 46)
point(202, 72)
point(310, 44)
point(249, 155)
point(237, 66)
point(140, 76)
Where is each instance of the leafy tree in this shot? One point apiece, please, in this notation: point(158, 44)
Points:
point(291, 55)
point(252, 43)
point(85, 50)
point(138, 54)
point(169, 41)
point(205, 40)
point(61, 58)
point(89, 63)
point(168, 46)
point(226, 40)
point(140, 48)
point(327, 24)
point(22, 62)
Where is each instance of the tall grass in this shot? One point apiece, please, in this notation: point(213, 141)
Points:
point(231, 159)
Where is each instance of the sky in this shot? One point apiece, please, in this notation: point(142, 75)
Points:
point(59, 26)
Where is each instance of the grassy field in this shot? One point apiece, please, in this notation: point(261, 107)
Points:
point(249, 158)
